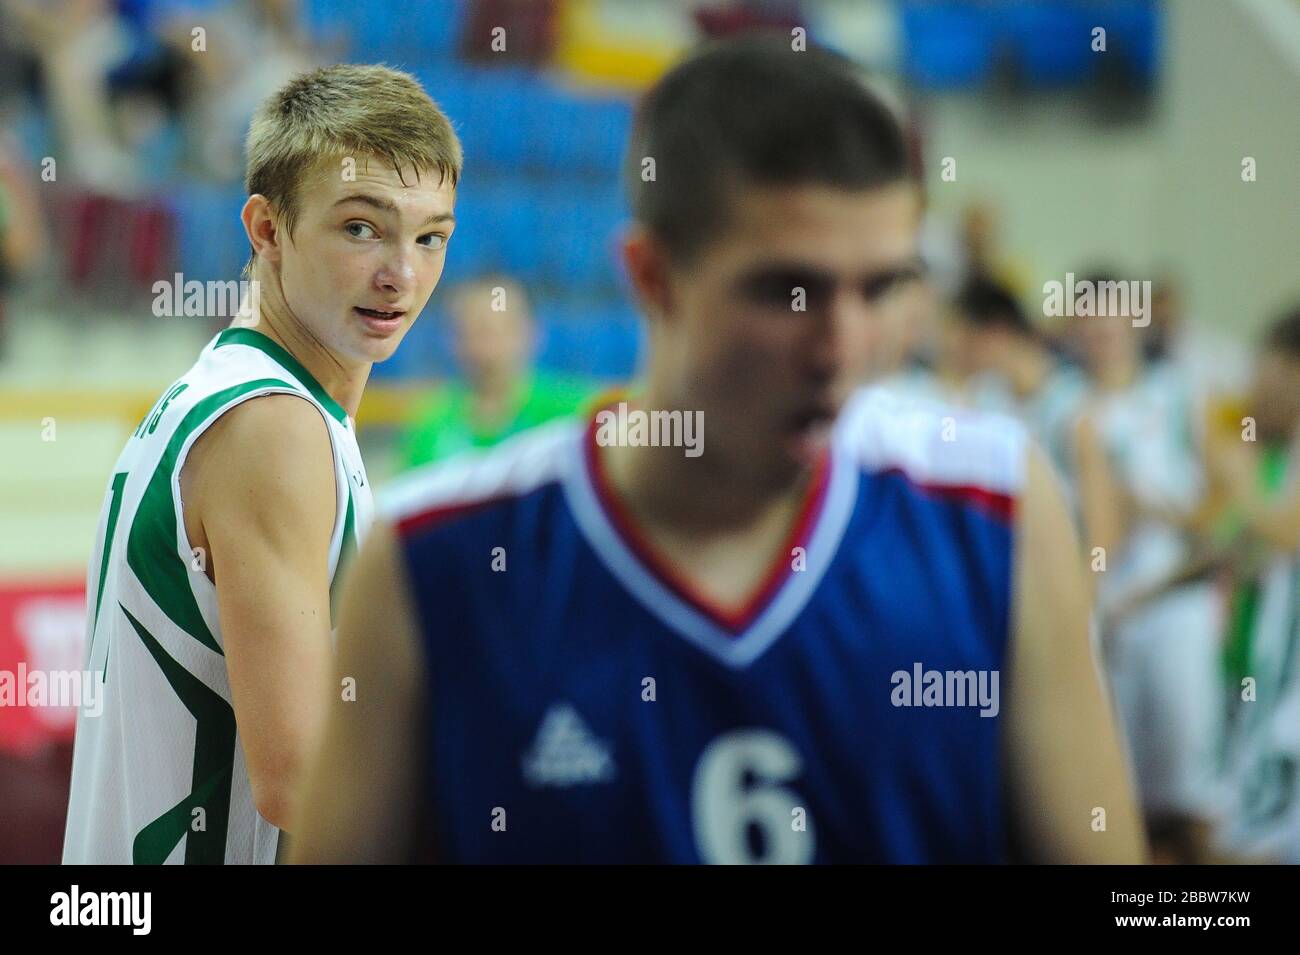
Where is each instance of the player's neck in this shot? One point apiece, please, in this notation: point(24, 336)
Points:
point(664, 487)
point(1117, 376)
point(1028, 371)
point(494, 396)
point(343, 381)
point(723, 540)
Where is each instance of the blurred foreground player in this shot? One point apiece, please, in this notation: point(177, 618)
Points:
point(579, 648)
point(239, 498)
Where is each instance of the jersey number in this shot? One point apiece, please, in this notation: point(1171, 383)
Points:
point(742, 813)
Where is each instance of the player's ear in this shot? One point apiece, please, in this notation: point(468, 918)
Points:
point(261, 227)
point(648, 267)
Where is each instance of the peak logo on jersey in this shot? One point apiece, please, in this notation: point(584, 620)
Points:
point(103, 908)
point(566, 752)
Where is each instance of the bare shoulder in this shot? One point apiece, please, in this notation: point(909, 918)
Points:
point(275, 427)
point(270, 455)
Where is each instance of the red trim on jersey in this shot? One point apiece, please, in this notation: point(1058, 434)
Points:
point(735, 620)
point(994, 503)
point(420, 520)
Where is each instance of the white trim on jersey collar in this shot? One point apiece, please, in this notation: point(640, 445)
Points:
point(738, 650)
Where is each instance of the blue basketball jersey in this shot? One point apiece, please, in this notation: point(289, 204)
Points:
point(586, 705)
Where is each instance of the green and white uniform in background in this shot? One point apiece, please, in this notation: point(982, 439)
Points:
point(159, 775)
point(1262, 748)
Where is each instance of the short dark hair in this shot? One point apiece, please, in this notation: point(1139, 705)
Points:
point(1284, 334)
point(985, 303)
point(753, 111)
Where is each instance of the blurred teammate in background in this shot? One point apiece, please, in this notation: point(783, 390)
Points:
point(23, 240)
point(1019, 372)
point(500, 393)
point(1261, 513)
point(237, 501)
point(1136, 498)
point(582, 647)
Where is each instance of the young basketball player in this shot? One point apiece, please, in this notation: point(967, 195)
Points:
point(240, 496)
point(822, 633)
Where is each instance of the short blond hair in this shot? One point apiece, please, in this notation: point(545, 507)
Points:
point(345, 111)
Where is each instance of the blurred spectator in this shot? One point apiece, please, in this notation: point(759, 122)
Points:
point(248, 49)
point(519, 32)
point(981, 244)
point(1220, 364)
point(22, 224)
point(1019, 374)
point(77, 44)
point(1161, 642)
point(936, 366)
point(1262, 645)
point(1166, 319)
point(500, 394)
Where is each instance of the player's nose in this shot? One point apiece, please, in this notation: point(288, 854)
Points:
point(396, 275)
point(840, 325)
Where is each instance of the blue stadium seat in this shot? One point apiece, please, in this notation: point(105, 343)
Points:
point(601, 342)
point(1051, 43)
point(616, 346)
point(423, 352)
point(605, 135)
point(391, 31)
point(1133, 32)
point(570, 132)
point(493, 105)
point(946, 45)
point(519, 229)
point(211, 245)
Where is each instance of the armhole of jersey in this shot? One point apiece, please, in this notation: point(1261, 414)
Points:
point(185, 549)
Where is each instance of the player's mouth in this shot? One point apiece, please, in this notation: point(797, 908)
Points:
point(379, 320)
point(808, 432)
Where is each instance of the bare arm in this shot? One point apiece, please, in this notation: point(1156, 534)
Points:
point(361, 800)
point(1062, 751)
point(1102, 500)
point(263, 487)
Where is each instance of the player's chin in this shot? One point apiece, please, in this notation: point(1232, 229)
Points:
point(376, 346)
point(803, 446)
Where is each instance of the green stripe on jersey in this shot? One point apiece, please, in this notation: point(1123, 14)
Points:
point(278, 353)
point(214, 766)
point(151, 544)
point(114, 508)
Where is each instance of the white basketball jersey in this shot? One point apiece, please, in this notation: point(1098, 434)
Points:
point(158, 775)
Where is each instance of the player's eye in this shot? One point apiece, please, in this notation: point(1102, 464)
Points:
point(360, 230)
point(433, 240)
point(877, 288)
point(783, 288)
